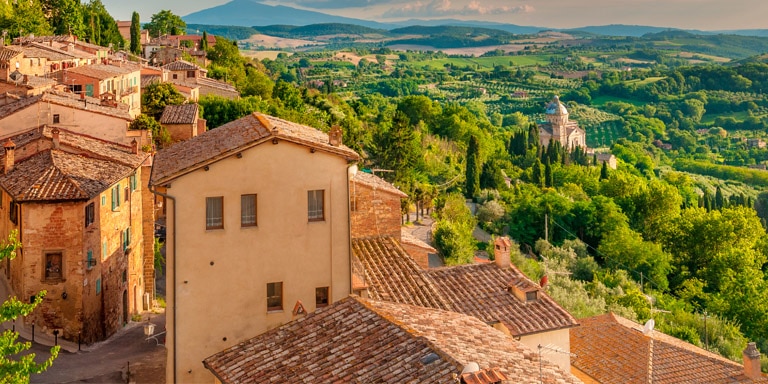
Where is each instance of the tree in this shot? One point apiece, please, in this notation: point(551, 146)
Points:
point(148, 123)
point(66, 16)
point(473, 168)
point(27, 17)
point(157, 96)
point(135, 33)
point(15, 367)
point(604, 171)
point(204, 42)
point(100, 27)
point(399, 148)
point(165, 23)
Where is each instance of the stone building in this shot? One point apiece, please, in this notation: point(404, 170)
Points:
point(559, 128)
point(374, 206)
point(76, 203)
point(183, 121)
point(258, 230)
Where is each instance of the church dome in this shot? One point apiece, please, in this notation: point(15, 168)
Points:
point(555, 107)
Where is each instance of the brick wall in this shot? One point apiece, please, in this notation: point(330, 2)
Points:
point(417, 253)
point(374, 212)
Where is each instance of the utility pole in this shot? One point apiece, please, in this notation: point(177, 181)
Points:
point(546, 227)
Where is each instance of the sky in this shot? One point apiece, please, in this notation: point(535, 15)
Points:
point(687, 14)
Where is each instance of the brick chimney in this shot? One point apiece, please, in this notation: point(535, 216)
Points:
point(56, 138)
point(501, 248)
point(334, 136)
point(135, 147)
point(752, 361)
point(10, 148)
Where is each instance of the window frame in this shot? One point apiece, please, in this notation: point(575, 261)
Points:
point(56, 118)
point(47, 265)
point(209, 219)
point(116, 197)
point(272, 287)
point(244, 214)
point(90, 214)
point(312, 197)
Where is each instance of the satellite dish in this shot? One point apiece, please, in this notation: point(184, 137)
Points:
point(648, 327)
point(470, 367)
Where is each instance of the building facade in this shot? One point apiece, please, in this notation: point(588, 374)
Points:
point(257, 233)
point(76, 204)
point(559, 128)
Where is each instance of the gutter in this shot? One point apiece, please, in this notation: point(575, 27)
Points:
point(173, 236)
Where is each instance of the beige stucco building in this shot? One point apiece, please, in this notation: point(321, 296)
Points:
point(559, 128)
point(76, 203)
point(257, 232)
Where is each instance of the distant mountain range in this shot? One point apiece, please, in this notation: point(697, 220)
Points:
point(253, 13)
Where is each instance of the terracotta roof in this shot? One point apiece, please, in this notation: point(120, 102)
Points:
point(7, 53)
point(68, 100)
point(361, 341)
point(483, 291)
point(35, 50)
point(81, 169)
point(99, 71)
point(146, 80)
point(183, 65)
point(377, 183)
point(612, 349)
point(236, 136)
point(206, 82)
point(407, 238)
point(394, 276)
point(180, 114)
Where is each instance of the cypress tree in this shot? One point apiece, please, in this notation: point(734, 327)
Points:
point(135, 34)
point(537, 176)
point(604, 171)
point(473, 168)
point(548, 178)
point(719, 199)
point(204, 42)
point(533, 136)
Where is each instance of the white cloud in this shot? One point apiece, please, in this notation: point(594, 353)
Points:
point(446, 8)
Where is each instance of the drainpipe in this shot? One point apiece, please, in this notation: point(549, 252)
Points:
point(351, 171)
point(173, 235)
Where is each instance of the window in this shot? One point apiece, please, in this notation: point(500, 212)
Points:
point(104, 250)
point(532, 296)
point(315, 205)
point(98, 286)
point(127, 193)
point(134, 184)
point(13, 212)
point(90, 262)
point(126, 235)
point(90, 214)
point(116, 197)
point(321, 297)
point(248, 210)
point(56, 118)
point(103, 200)
point(175, 76)
point(214, 212)
point(190, 73)
point(275, 296)
point(53, 266)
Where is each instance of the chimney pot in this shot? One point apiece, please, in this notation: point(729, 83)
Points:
point(334, 136)
point(135, 147)
point(752, 361)
point(56, 138)
point(501, 248)
point(10, 148)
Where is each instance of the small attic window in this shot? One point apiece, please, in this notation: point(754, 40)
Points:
point(531, 296)
point(523, 290)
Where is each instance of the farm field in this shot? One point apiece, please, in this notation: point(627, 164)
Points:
point(484, 62)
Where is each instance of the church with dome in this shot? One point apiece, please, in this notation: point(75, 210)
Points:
point(557, 127)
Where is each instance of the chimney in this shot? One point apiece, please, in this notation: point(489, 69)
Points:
point(26, 79)
point(752, 361)
point(135, 147)
point(501, 248)
point(334, 136)
point(10, 148)
point(56, 138)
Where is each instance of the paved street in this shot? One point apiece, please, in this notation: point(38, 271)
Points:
point(107, 361)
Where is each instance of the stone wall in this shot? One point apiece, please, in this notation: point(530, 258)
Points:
point(374, 212)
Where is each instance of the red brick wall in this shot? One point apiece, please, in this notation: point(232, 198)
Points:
point(419, 254)
point(373, 212)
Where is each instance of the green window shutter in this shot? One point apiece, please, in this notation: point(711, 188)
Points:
point(114, 199)
point(98, 286)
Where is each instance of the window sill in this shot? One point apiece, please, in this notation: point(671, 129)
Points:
point(270, 311)
point(315, 220)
